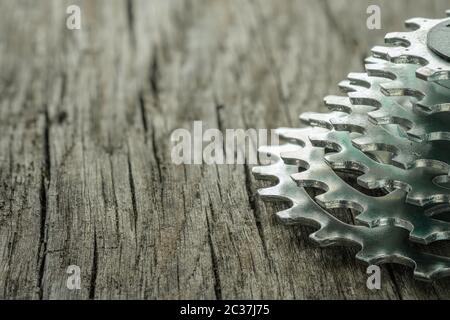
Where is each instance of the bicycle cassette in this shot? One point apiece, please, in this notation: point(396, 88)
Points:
point(390, 131)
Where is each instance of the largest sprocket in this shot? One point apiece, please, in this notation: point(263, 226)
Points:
point(392, 130)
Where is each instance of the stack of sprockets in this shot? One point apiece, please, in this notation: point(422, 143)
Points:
point(392, 129)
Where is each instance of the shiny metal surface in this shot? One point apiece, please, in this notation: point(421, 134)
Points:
point(399, 107)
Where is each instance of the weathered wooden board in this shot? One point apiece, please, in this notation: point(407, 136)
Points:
point(86, 174)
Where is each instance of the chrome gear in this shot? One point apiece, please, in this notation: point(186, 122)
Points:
point(392, 130)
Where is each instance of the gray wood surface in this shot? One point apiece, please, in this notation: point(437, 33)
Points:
point(85, 171)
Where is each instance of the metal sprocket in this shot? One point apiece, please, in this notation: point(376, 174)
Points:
point(399, 106)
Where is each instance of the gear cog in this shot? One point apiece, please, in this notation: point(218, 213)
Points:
point(390, 130)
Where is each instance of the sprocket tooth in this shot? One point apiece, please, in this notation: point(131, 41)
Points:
point(300, 136)
point(303, 179)
point(294, 158)
point(363, 143)
point(374, 69)
point(338, 103)
point(424, 73)
point(403, 160)
point(429, 109)
point(262, 171)
point(270, 194)
point(369, 180)
point(429, 271)
point(322, 120)
point(419, 134)
point(336, 159)
point(370, 60)
point(360, 79)
point(358, 98)
point(387, 53)
point(415, 23)
point(397, 38)
point(368, 257)
point(429, 74)
point(424, 198)
point(395, 89)
point(381, 52)
point(287, 217)
point(368, 220)
point(437, 231)
point(380, 117)
point(326, 199)
point(322, 238)
point(347, 86)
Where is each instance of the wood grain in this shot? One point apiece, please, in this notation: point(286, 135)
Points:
point(86, 174)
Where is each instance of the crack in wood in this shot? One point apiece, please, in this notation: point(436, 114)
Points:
point(45, 176)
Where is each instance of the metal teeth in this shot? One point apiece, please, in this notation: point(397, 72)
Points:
point(382, 99)
point(428, 97)
point(371, 137)
point(388, 130)
point(384, 243)
point(409, 112)
point(319, 173)
point(411, 47)
point(417, 180)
